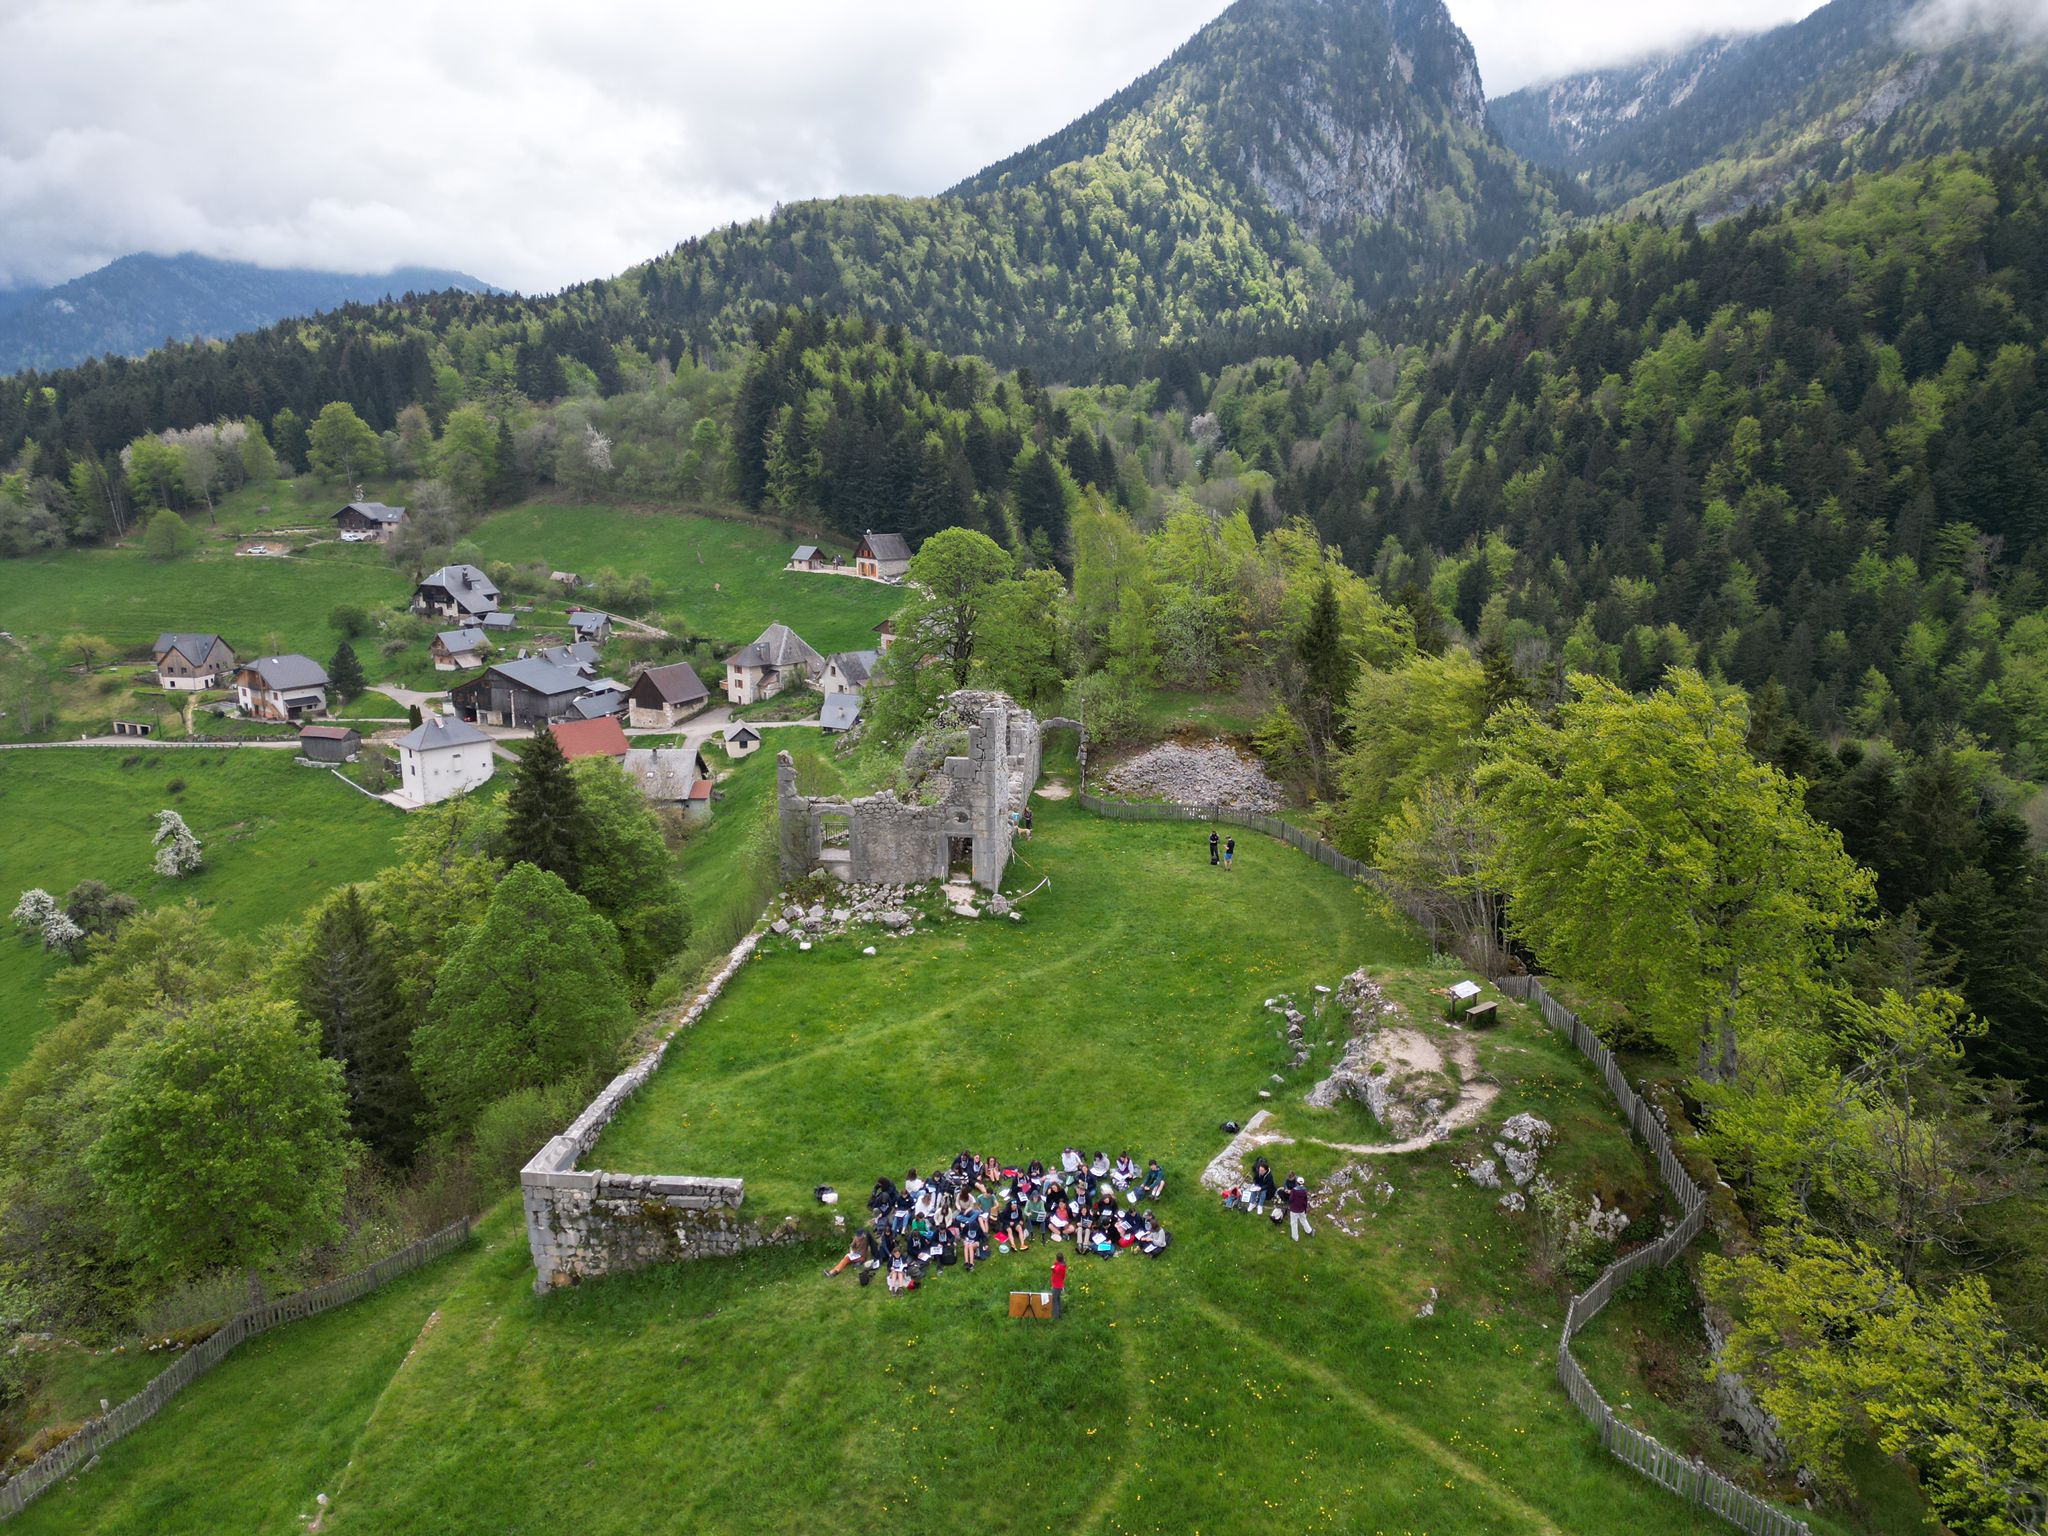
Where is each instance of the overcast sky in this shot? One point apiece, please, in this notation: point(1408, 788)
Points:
point(533, 143)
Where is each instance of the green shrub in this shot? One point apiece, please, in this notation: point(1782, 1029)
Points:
point(510, 1131)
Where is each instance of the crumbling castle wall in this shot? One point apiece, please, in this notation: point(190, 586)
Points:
point(891, 841)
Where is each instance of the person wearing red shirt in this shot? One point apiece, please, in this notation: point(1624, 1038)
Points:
point(1059, 1283)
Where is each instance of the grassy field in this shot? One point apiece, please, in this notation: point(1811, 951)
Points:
point(1240, 1384)
point(718, 577)
point(277, 837)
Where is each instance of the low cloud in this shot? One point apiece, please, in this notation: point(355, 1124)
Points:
point(1941, 23)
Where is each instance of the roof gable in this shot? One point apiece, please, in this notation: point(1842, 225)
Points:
point(194, 648)
point(375, 511)
point(884, 546)
point(438, 731)
point(590, 738)
point(288, 671)
point(778, 646)
point(534, 675)
point(676, 683)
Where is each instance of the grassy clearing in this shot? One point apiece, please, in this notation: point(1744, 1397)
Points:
point(1241, 1384)
point(277, 837)
point(719, 577)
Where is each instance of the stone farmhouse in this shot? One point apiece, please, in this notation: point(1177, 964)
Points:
point(882, 840)
point(516, 693)
point(779, 659)
point(455, 592)
point(459, 650)
point(882, 557)
point(661, 696)
point(369, 521)
point(579, 739)
point(442, 757)
point(192, 661)
point(287, 688)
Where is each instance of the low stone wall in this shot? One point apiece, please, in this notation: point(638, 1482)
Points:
point(585, 1222)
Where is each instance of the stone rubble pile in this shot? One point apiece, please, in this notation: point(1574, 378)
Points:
point(884, 906)
point(1212, 775)
point(1283, 1005)
point(1352, 1077)
point(1516, 1152)
point(1343, 1197)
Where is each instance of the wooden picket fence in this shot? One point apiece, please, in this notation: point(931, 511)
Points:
point(19, 1491)
point(1688, 1477)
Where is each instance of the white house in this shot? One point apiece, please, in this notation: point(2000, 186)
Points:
point(849, 671)
point(282, 687)
point(445, 756)
point(192, 661)
point(778, 660)
point(741, 741)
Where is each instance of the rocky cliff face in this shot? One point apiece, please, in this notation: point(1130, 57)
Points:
point(1565, 122)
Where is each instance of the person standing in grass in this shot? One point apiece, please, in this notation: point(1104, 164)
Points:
point(1297, 1208)
point(1059, 1284)
point(1214, 840)
point(1229, 851)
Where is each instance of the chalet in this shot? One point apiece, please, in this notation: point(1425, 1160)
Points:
point(456, 592)
point(848, 671)
point(459, 650)
point(444, 756)
point(499, 623)
point(523, 692)
point(591, 738)
point(673, 776)
point(368, 521)
point(192, 661)
point(841, 712)
point(661, 696)
point(885, 636)
point(882, 557)
point(282, 688)
point(779, 659)
point(329, 743)
point(586, 624)
point(808, 557)
point(741, 741)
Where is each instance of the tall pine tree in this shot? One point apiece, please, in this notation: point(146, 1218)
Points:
point(1326, 667)
point(348, 986)
point(346, 673)
point(545, 825)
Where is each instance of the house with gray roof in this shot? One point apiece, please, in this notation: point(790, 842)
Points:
point(882, 557)
point(190, 661)
point(459, 650)
point(588, 624)
point(661, 696)
point(672, 776)
point(807, 558)
point(443, 756)
point(455, 592)
point(288, 688)
point(516, 693)
point(578, 656)
point(779, 659)
point(849, 671)
point(841, 712)
point(368, 521)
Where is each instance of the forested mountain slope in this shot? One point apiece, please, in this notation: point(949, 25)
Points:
point(1294, 163)
point(1857, 85)
point(138, 302)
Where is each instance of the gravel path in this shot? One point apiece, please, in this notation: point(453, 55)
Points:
point(1212, 775)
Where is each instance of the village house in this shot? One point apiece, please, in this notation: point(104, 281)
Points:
point(885, 636)
point(443, 756)
point(368, 522)
point(499, 623)
point(329, 743)
point(778, 660)
point(671, 776)
point(808, 557)
point(841, 712)
point(282, 688)
point(882, 557)
point(587, 624)
point(516, 693)
point(591, 738)
point(565, 579)
point(456, 592)
point(661, 696)
point(848, 671)
point(459, 650)
point(192, 661)
point(741, 741)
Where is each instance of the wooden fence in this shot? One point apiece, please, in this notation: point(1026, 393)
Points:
point(1691, 1479)
point(19, 1491)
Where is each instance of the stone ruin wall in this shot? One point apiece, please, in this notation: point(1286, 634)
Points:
point(585, 1222)
point(895, 842)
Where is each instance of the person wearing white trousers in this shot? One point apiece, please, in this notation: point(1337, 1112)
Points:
point(1297, 1208)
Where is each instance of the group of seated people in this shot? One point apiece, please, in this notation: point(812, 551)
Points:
point(977, 1206)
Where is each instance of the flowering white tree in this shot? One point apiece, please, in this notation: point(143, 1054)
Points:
point(177, 849)
point(34, 909)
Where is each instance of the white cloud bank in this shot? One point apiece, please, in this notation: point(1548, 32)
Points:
point(535, 143)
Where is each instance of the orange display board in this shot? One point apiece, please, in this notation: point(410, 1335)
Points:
point(1031, 1304)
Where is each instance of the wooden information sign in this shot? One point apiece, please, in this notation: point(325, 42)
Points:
point(1031, 1304)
